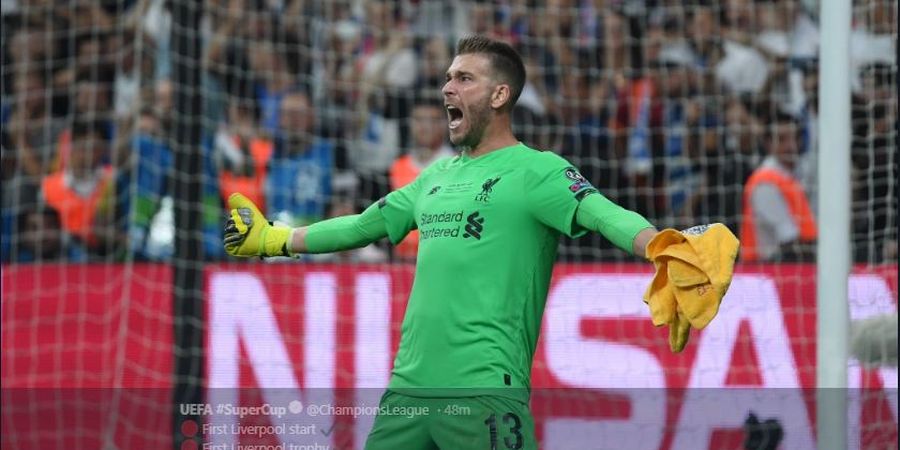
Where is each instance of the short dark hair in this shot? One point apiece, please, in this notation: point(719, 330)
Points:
point(780, 119)
point(505, 61)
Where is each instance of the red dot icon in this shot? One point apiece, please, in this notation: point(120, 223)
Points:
point(188, 429)
point(189, 444)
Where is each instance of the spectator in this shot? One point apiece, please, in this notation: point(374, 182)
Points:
point(778, 222)
point(538, 57)
point(808, 118)
point(38, 47)
point(670, 16)
point(429, 142)
point(704, 34)
point(274, 79)
point(93, 94)
point(336, 80)
point(434, 18)
point(227, 59)
point(32, 131)
point(874, 225)
point(744, 130)
point(81, 192)
point(740, 22)
point(92, 100)
point(531, 116)
point(670, 128)
point(785, 30)
point(144, 184)
point(429, 145)
point(727, 164)
point(134, 70)
point(242, 152)
point(676, 152)
point(26, 53)
point(28, 47)
point(784, 33)
point(432, 64)
point(41, 238)
point(388, 74)
point(213, 207)
point(656, 35)
point(700, 48)
point(299, 182)
point(743, 68)
point(583, 109)
point(553, 41)
point(164, 101)
point(636, 115)
point(91, 54)
point(155, 20)
point(88, 15)
point(487, 18)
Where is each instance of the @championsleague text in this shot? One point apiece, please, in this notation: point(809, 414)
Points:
point(357, 411)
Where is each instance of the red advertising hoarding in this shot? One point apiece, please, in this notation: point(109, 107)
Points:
point(95, 343)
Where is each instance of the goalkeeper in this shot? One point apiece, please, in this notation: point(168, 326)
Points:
point(489, 223)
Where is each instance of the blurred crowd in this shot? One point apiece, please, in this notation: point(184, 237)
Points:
point(317, 108)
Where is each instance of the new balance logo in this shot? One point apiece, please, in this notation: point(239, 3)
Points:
point(474, 226)
point(486, 188)
point(434, 190)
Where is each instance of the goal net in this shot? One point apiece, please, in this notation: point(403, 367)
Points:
point(317, 109)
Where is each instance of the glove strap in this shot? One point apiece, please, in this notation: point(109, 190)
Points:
point(273, 241)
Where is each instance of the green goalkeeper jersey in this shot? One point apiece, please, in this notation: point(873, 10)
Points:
point(489, 229)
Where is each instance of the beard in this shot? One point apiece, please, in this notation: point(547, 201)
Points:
point(478, 118)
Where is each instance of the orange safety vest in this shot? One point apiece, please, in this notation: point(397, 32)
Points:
point(76, 213)
point(403, 172)
point(797, 204)
point(251, 186)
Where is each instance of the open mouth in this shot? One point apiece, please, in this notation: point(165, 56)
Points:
point(455, 116)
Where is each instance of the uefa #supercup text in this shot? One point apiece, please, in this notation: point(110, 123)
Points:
point(227, 409)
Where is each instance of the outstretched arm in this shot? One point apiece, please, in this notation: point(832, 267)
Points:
point(248, 233)
point(626, 229)
point(339, 233)
point(641, 240)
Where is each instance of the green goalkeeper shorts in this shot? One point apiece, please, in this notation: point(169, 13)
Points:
point(462, 423)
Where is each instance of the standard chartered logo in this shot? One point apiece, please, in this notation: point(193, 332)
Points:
point(474, 226)
point(449, 224)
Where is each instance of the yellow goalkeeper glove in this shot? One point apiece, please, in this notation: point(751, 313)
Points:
point(248, 233)
point(694, 268)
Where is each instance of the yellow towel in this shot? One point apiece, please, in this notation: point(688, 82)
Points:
point(693, 271)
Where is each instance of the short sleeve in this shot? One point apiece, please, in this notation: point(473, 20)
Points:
point(398, 209)
point(554, 189)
